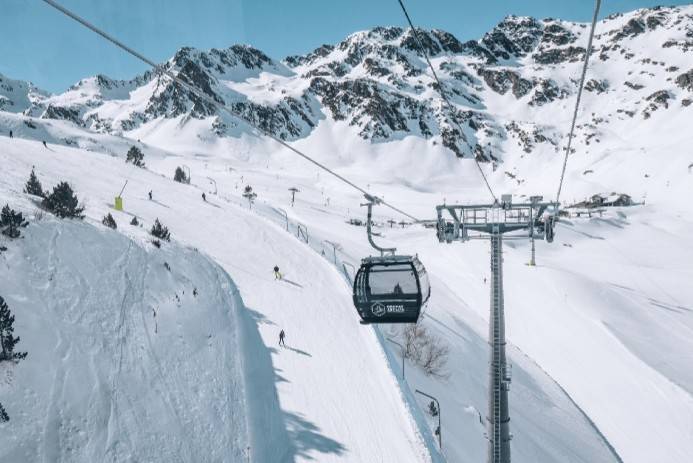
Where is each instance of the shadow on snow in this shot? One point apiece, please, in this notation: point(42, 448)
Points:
point(275, 435)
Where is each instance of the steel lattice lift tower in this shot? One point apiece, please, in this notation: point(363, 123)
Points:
point(532, 220)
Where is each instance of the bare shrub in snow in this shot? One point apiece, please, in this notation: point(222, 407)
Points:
point(426, 350)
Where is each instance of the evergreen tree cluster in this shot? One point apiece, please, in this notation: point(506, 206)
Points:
point(179, 176)
point(63, 202)
point(7, 342)
point(160, 231)
point(135, 156)
point(7, 339)
point(33, 185)
point(109, 221)
point(11, 222)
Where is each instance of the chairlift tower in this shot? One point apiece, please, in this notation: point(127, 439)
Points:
point(493, 222)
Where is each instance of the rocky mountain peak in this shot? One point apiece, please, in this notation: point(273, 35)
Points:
point(514, 36)
point(377, 82)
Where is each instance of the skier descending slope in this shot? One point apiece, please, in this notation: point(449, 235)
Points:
point(282, 335)
point(277, 273)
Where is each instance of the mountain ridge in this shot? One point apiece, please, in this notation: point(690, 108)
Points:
point(377, 82)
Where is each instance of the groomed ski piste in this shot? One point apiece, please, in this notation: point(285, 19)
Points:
point(592, 328)
point(212, 381)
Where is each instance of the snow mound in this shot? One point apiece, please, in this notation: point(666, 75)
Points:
point(128, 361)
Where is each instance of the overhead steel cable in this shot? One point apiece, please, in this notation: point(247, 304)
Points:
point(441, 91)
point(216, 103)
point(597, 5)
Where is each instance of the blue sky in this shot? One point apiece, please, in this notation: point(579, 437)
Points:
point(40, 45)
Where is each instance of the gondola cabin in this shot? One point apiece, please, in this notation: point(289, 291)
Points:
point(391, 289)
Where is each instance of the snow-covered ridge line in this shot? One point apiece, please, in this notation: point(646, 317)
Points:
point(376, 81)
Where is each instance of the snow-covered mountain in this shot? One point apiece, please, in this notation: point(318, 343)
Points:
point(17, 96)
point(598, 332)
point(378, 82)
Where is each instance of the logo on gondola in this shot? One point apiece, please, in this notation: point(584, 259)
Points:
point(378, 309)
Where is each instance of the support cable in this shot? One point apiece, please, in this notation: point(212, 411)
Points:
point(441, 91)
point(214, 102)
point(597, 5)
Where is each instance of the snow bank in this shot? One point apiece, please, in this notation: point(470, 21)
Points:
point(128, 361)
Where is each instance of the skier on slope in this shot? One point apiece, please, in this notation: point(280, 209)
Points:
point(44, 144)
point(277, 273)
point(150, 195)
point(11, 134)
point(204, 197)
point(282, 335)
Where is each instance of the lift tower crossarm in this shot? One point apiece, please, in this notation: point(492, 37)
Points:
point(502, 217)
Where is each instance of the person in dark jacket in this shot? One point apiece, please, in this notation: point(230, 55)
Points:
point(204, 197)
point(11, 134)
point(150, 195)
point(277, 273)
point(282, 335)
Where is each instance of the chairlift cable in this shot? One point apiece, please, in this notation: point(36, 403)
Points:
point(441, 91)
point(217, 104)
point(597, 5)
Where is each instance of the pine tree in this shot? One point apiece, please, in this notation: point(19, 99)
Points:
point(7, 340)
point(180, 176)
point(135, 156)
point(63, 202)
point(33, 185)
point(4, 417)
point(109, 221)
point(11, 221)
point(160, 231)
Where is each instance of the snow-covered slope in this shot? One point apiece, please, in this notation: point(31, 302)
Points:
point(328, 396)
point(127, 360)
point(319, 398)
point(599, 332)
